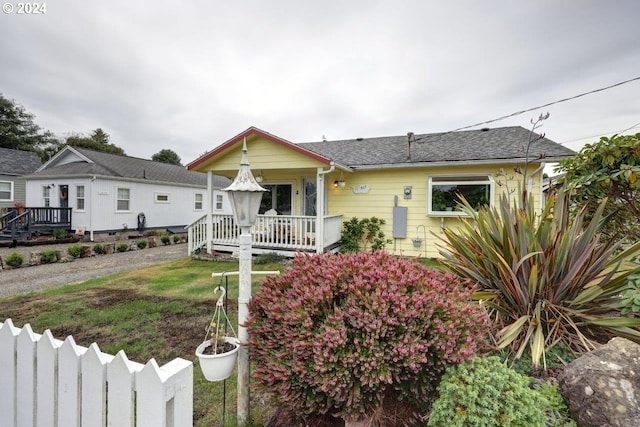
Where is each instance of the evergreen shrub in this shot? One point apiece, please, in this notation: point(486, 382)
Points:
point(49, 256)
point(99, 249)
point(335, 332)
point(122, 247)
point(485, 393)
point(14, 260)
point(74, 251)
point(141, 244)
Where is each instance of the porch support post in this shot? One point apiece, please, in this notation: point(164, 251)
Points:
point(320, 208)
point(209, 210)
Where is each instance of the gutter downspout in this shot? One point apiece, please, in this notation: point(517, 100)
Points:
point(530, 184)
point(209, 211)
point(320, 192)
point(93, 178)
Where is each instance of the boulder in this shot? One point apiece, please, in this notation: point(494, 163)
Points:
point(34, 258)
point(602, 387)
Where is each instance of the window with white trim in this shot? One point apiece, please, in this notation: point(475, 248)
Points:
point(123, 200)
point(6, 191)
point(46, 196)
point(80, 197)
point(162, 197)
point(219, 199)
point(198, 201)
point(444, 193)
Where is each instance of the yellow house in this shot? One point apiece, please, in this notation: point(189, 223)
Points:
point(411, 182)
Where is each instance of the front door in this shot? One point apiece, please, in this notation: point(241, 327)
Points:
point(64, 203)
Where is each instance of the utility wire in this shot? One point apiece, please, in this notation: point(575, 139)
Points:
point(541, 106)
point(600, 134)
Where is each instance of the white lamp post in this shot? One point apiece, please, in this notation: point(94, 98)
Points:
point(245, 195)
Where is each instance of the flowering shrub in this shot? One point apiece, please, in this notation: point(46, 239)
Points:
point(334, 333)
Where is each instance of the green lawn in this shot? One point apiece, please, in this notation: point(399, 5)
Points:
point(159, 312)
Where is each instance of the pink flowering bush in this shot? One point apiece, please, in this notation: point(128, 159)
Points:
point(335, 333)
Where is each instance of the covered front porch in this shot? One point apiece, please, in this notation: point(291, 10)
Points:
point(282, 234)
point(293, 215)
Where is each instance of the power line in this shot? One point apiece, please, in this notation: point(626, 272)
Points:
point(600, 134)
point(543, 106)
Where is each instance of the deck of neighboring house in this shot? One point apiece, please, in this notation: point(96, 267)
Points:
point(24, 223)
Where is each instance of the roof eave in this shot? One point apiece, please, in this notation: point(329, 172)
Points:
point(449, 163)
point(258, 132)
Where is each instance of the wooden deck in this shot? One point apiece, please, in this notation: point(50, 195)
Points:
point(23, 223)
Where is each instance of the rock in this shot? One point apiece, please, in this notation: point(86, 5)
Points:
point(34, 258)
point(602, 387)
point(86, 251)
point(109, 248)
point(152, 242)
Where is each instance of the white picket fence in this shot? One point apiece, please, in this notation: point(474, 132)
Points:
point(46, 382)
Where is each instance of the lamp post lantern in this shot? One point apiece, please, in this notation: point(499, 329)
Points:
point(245, 195)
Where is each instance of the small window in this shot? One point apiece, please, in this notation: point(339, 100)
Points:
point(80, 197)
point(219, 202)
point(162, 197)
point(6, 190)
point(124, 195)
point(444, 193)
point(46, 196)
point(198, 198)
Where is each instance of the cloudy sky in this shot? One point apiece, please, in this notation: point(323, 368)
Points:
point(189, 75)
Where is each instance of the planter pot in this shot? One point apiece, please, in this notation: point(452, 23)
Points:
point(218, 367)
point(417, 243)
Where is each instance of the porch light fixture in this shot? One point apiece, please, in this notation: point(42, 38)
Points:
point(245, 195)
point(259, 177)
point(339, 182)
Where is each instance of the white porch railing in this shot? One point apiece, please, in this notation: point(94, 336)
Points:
point(284, 232)
point(46, 382)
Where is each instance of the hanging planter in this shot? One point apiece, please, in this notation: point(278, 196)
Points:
point(218, 353)
point(417, 242)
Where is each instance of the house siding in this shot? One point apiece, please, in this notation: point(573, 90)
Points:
point(263, 155)
point(18, 190)
point(384, 185)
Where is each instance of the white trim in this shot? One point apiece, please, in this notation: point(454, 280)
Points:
point(11, 191)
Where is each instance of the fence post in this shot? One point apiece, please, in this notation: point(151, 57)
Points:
point(94, 388)
point(26, 377)
point(8, 343)
point(69, 363)
point(47, 367)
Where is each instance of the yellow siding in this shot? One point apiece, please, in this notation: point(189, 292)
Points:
point(263, 155)
point(379, 202)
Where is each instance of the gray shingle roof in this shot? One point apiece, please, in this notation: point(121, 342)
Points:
point(125, 167)
point(17, 162)
point(505, 143)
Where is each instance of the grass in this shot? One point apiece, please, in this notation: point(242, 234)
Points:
point(158, 312)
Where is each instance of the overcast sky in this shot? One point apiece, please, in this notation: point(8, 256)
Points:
point(189, 75)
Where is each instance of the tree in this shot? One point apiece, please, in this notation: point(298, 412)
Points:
point(608, 170)
point(167, 156)
point(98, 141)
point(18, 130)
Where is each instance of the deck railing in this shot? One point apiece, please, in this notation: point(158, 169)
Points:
point(23, 222)
point(283, 232)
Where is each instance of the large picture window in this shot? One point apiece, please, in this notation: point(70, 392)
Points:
point(444, 193)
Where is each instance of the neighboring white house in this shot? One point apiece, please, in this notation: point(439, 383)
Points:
point(14, 164)
point(109, 192)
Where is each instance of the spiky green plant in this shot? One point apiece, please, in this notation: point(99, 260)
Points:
point(545, 279)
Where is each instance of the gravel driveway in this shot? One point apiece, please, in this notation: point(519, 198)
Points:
point(26, 279)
